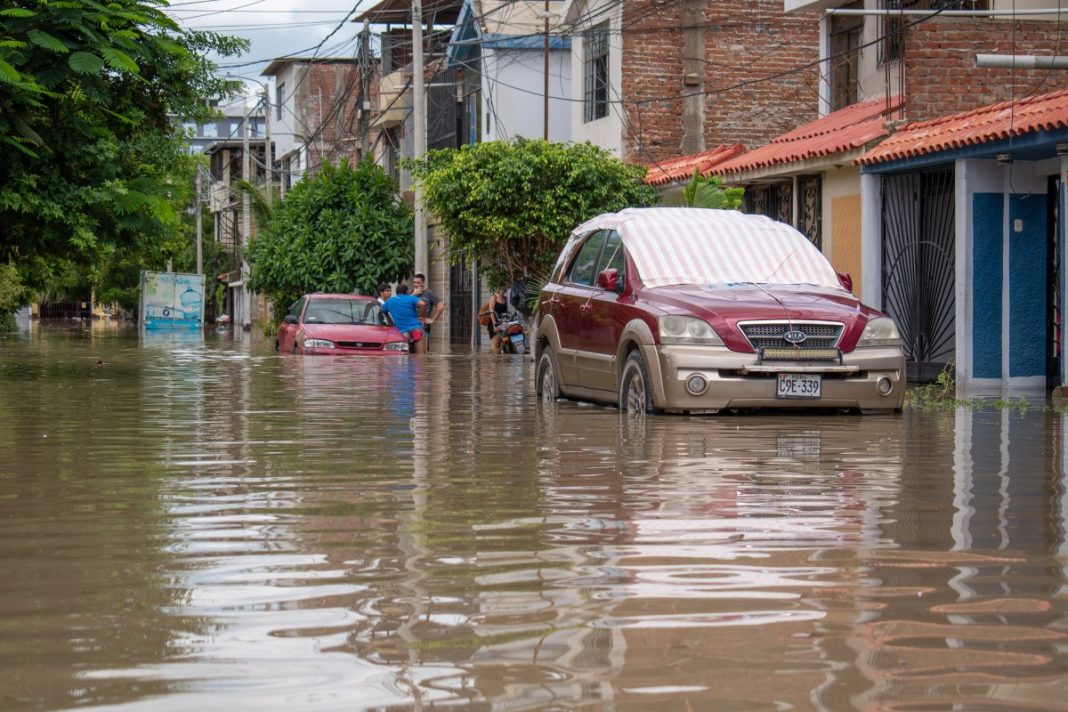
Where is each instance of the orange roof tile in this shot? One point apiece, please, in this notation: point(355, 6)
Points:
point(681, 168)
point(987, 123)
point(843, 130)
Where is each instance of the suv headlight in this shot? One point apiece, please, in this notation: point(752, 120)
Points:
point(880, 332)
point(395, 346)
point(687, 330)
point(318, 344)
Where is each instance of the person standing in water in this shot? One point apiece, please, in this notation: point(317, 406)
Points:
point(407, 311)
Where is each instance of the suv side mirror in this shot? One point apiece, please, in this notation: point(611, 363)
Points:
point(846, 281)
point(609, 280)
point(289, 319)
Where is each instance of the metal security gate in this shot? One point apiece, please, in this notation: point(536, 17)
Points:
point(810, 208)
point(919, 267)
point(463, 290)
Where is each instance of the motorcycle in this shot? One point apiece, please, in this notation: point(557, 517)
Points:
point(513, 334)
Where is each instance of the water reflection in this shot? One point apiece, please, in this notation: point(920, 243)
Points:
point(201, 525)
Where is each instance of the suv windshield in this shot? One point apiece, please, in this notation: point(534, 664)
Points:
point(342, 311)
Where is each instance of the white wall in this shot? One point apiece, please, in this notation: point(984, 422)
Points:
point(513, 94)
point(607, 132)
point(282, 130)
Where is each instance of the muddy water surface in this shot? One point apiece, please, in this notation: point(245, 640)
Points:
point(201, 524)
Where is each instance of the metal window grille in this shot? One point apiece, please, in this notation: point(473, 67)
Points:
point(595, 100)
point(892, 47)
point(845, 39)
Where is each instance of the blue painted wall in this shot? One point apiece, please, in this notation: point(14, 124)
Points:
point(1027, 286)
point(987, 209)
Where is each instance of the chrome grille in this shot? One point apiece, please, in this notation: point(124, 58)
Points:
point(769, 335)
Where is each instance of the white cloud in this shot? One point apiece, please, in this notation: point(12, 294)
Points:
point(274, 28)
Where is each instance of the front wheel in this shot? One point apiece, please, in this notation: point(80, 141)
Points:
point(635, 392)
point(546, 383)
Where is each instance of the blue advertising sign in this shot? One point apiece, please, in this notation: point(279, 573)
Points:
point(171, 299)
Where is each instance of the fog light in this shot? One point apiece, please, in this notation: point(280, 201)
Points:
point(884, 385)
point(696, 384)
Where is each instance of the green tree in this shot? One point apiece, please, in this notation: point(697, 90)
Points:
point(512, 204)
point(708, 192)
point(90, 96)
point(12, 295)
point(341, 230)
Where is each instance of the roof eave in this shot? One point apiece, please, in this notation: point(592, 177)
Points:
point(816, 164)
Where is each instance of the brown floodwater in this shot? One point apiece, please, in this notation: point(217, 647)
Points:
point(196, 523)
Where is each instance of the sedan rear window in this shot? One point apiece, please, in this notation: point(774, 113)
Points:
point(342, 311)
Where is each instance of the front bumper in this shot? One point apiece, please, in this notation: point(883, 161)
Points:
point(351, 352)
point(737, 380)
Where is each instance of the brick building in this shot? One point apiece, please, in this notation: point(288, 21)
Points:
point(320, 111)
point(655, 80)
point(904, 223)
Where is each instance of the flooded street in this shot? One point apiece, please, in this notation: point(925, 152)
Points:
point(203, 524)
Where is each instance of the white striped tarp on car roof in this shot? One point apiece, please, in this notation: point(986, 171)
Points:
point(703, 246)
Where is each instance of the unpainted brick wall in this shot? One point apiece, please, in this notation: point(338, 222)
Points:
point(759, 79)
point(940, 73)
point(332, 102)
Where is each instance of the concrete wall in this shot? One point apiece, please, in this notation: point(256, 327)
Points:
point(607, 132)
point(512, 94)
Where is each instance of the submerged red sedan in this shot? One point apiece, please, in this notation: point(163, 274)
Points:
point(338, 324)
point(691, 310)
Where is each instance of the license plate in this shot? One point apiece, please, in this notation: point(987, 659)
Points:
point(516, 338)
point(798, 385)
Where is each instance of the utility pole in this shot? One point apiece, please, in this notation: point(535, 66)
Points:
point(546, 69)
point(419, 120)
point(199, 225)
point(246, 229)
point(267, 145)
point(365, 103)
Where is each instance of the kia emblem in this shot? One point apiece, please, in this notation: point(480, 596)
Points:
point(794, 337)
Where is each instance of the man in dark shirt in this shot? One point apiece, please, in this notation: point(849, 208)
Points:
point(434, 306)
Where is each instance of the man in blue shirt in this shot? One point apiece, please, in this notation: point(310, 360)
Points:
point(407, 312)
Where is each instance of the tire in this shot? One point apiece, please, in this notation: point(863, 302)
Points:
point(547, 378)
point(635, 391)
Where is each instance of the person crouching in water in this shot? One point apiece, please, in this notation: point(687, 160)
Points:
point(407, 312)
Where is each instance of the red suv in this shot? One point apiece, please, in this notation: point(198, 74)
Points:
point(693, 310)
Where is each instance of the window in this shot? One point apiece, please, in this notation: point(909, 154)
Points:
point(296, 307)
point(255, 127)
point(208, 130)
point(595, 87)
point(845, 39)
point(582, 269)
point(280, 89)
point(612, 255)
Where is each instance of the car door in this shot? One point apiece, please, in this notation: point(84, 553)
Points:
point(602, 321)
point(286, 332)
point(569, 301)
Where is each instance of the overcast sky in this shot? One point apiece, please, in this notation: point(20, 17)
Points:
point(274, 27)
